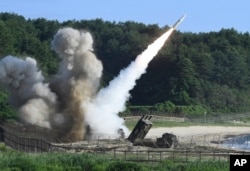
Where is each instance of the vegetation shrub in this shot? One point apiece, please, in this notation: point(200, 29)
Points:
point(21, 162)
point(124, 166)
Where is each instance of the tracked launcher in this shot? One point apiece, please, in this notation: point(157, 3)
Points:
point(142, 128)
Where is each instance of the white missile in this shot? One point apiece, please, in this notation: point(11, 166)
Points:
point(179, 21)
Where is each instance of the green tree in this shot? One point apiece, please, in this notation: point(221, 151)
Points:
point(6, 40)
point(6, 111)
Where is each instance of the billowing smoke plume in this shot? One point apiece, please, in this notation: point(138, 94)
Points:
point(29, 94)
point(78, 77)
point(70, 101)
point(56, 104)
point(102, 111)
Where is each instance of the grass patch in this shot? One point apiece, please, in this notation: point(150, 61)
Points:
point(5, 149)
point(195, 166)
point(19, 161)
point(63, 161)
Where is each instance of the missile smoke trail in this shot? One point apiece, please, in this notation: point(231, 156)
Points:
point(111, 100)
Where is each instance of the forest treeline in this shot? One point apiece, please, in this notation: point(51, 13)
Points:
point(193, 73)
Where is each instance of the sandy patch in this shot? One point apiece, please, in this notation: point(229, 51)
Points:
point(198, 131)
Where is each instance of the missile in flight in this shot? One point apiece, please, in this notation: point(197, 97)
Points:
point(178, 22)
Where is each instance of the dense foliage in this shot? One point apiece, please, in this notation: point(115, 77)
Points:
point(202, 71)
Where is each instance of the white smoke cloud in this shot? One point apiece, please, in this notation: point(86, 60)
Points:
point(27, 90)
point(36, 112)
point(19, 76)
point(102, 111)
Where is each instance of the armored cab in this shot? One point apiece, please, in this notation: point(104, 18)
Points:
point(167, 141)
point(141, 129)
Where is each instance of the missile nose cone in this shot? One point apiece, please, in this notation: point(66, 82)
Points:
point(178, 22)
point(183, 17)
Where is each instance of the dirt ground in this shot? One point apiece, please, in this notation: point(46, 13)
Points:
point(198, 130)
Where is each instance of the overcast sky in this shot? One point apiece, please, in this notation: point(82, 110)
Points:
point(202, 16)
